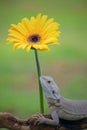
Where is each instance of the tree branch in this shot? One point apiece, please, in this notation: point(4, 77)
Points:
point(9, 121)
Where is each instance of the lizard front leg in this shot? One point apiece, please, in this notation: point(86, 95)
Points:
point(40, 119)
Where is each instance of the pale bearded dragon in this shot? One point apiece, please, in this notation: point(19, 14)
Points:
point(60, 107)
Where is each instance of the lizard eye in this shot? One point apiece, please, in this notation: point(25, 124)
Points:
point(49, 81)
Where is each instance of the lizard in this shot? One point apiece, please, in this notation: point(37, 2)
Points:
point(60, 107)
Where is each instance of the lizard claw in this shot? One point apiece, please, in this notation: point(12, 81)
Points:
point(40, 120)
point(37, 119)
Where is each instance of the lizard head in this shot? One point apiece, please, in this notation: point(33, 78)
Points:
point(50, 89)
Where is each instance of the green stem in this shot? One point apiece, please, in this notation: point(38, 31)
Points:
point(40, 88)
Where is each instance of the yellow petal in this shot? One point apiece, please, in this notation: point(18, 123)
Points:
point(16, 46)
point(28, 48)
point(50, 40)
point(41, 47)
point(38, 17)
point(27, 25)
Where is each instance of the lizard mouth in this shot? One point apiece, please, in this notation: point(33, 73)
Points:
point(51, 104)
point(55, 103)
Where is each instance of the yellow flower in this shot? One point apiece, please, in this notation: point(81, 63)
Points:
point(34, 33)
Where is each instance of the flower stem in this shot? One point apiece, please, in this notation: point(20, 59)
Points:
point(40, 88)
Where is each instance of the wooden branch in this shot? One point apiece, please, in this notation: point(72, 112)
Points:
point(7, 120)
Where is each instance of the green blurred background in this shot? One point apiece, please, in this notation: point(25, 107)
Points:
point(66, 63)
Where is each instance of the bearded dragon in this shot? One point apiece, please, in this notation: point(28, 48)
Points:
point(60, 107)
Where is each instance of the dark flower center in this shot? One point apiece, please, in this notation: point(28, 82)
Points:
point(34, 38)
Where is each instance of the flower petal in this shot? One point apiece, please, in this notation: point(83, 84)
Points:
point(28, 48)
point(41, 47)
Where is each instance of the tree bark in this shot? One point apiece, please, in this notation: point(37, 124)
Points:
point(9, 121)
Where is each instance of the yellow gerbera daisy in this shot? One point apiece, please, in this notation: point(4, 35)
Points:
point(35, 33)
